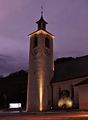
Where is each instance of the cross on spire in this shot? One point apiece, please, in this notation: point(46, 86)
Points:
point(42, 10)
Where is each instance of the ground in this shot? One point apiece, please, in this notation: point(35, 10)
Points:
point(45, 116)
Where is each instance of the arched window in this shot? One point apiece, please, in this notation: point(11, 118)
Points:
point(35, 42)
point(65, 93)
point(47, 44)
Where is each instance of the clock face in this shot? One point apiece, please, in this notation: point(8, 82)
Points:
point(37, 52)
point(47, 52)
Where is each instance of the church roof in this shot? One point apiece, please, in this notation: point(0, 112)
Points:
point(40, 31)
point(41, 20)
point(70, 68)
point(82, 82)
point(41, 26)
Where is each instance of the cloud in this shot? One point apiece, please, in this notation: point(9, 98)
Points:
point(5, 63)
point(9, 64)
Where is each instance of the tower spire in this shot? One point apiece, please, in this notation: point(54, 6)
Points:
point(41, 23)
point(41, 10)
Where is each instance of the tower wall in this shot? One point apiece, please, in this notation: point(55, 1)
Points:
point(40, 74)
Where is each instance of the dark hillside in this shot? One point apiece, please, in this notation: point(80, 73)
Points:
point(70, 68)
point(13, 88)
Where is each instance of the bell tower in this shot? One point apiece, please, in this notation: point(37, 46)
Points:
point(41, 66)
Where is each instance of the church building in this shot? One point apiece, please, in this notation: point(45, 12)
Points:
point(53, 87)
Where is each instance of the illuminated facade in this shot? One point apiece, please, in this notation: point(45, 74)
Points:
point(41, 66)
point(70, 84)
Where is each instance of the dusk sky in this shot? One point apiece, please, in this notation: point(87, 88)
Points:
point(67, 20)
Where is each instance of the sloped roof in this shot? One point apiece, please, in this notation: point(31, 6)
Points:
point(40, 30)
point(82, 82)
point(67, 69)
point(41, 20)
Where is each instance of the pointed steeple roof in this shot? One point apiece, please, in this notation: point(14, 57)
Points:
point(41, 23)
point(41, 26)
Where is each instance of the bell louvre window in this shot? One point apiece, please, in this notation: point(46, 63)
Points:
point(47, 42)
point(35, 42)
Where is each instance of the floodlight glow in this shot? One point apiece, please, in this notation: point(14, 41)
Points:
point(65, 101)
point(41, 94)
